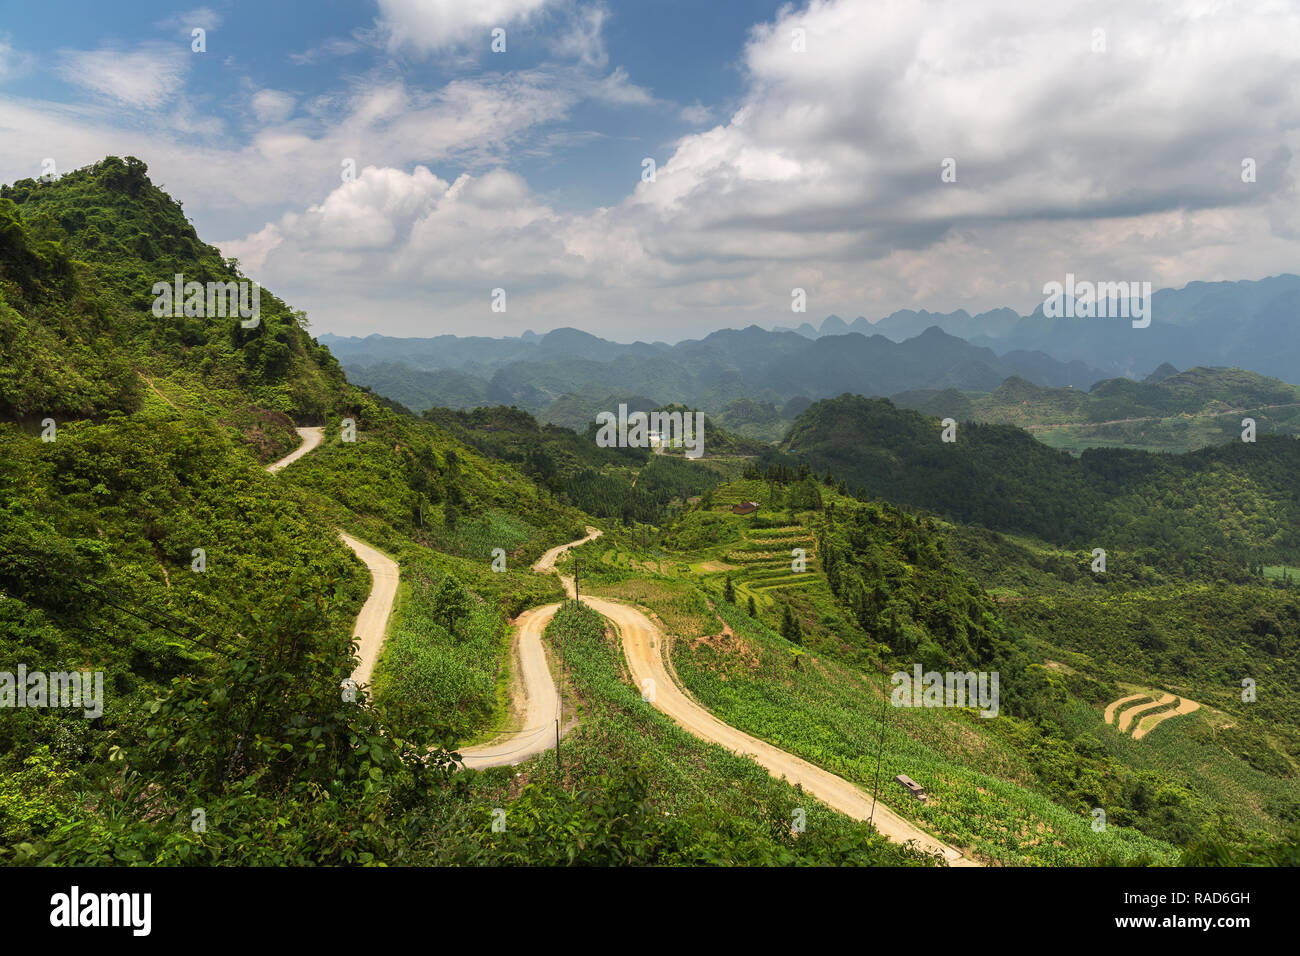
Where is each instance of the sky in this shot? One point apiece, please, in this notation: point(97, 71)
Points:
point(382, 166)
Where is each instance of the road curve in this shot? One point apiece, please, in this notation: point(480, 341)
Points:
point(547, 561)
point(311, 438)
point(372, 622)
point(644, 647)
point(536, 702)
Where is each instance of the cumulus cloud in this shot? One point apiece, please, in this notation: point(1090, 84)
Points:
point(201, 17)
point(1116, 154)
point(1119, 158)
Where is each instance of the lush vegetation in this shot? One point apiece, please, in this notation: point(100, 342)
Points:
point(141, 537)
point(1213, 513)
point(1169, 411)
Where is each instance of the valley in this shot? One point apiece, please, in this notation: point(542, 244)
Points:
point(230, 529)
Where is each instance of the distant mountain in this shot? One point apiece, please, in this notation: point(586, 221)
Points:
point(1245, 324)
point(712, 373)
point(1160, 374)
point(1249, 324)
point(834, 325)
point(576, 411)
point(907, 323)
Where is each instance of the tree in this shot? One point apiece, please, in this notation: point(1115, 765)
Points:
point(729, 591)
point(450, 604)
point(790, 628)
point(753, 611)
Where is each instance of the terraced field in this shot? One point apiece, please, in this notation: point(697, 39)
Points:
point(1140, 713)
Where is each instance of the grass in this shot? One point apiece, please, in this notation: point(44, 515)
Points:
point(739, 802)
point(831, 715)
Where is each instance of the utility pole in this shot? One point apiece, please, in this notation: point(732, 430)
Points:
point(560, 695)
point(879, 752)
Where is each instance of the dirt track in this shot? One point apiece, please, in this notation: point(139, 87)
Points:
point(372, 622)
point(311, 439)
point(536, 702)
point(643, 645)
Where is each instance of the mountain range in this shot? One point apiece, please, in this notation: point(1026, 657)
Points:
point(1247, 324)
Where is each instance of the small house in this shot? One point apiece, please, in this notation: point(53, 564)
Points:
point(744, 508)
point(912, 787)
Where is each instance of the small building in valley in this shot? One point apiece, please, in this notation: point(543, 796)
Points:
point(744, 508)
point(912, 787)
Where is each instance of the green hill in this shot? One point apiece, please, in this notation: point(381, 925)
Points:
point(1169, 411)
point(141, 537)
point(1217, 511)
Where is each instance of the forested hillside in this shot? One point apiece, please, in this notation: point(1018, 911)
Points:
point(1171, 411)
point(1220, 511)
point(141, 537)
point(799, 657)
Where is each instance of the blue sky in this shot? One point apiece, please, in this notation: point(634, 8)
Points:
point(796, 146)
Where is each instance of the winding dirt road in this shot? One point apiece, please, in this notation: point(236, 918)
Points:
point(311, 439)
point(644, 647)
point(538, 704)
point(372, 622)
point(536, 701)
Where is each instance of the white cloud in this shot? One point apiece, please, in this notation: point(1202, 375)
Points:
point(825, 175)
point(13, 63)
point(696, 114)
point(202, 17)
point(431, 26)
point(581, 38)
point(146, 77)
point(272, 106)
point(1122, 163)
point(473, 124)
point(332, 47)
